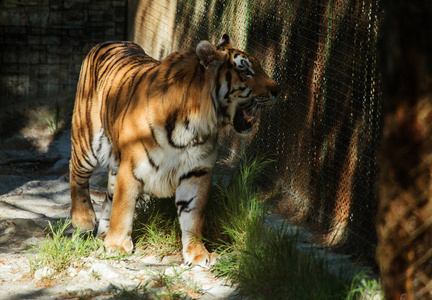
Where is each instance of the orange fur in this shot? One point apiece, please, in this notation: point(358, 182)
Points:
point(155, 126)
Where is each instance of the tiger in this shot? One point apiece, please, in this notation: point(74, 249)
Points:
point(154, 125)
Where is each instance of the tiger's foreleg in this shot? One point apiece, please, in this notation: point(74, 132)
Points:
point(191, 199)
point(82, 213)
point(107, 206)
point(127, 190)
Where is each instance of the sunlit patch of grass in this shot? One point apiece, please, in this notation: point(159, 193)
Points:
point(175, 286)
point(58, 251)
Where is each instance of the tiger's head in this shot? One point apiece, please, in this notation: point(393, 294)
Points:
point(240, 87)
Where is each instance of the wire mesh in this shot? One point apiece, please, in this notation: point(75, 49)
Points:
point(323, 133)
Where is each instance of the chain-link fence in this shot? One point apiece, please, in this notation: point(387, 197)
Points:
point(324, 131)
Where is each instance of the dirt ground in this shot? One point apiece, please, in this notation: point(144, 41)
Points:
point(34, 190)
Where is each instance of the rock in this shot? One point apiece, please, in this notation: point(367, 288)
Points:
point(45, 272)
point(151, 260)
point(83, 275)
point(32, 241)
point(7, 228)
point(60, 166)
point(71, 272)
point(105, 271)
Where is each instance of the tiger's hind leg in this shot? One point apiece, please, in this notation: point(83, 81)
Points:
point(81, 167)
point(107, 206)
point(127, 190)
point(191, 199)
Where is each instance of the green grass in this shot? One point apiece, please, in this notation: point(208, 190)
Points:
point(364, 286)
point(161, 286)
point(52, 120)
point(59, 251)
point(156, 227)
point(175, 286)
point(263, 262)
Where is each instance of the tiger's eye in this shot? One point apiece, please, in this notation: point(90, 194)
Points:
point(248, 73)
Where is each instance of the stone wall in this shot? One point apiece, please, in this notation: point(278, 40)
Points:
point(43, 42)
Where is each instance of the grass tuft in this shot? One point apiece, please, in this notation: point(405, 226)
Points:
point(364, 286)
point(59, 251)
point(52, 120)
point(156, 227)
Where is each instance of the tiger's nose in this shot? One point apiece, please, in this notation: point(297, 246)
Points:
point(275, 90)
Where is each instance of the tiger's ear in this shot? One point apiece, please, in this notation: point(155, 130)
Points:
point(209, 56)
point(226, 42)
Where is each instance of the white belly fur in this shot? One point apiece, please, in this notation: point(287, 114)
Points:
point(171, 163)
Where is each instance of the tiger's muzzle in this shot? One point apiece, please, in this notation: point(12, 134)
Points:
point(247, 115)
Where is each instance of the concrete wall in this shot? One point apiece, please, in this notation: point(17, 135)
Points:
point(43, 42)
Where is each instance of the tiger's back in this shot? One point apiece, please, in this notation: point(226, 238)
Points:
point(107, 74)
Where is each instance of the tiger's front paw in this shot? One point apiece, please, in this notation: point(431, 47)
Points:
point(84, 220)
point(198, 255)
point(125, 245)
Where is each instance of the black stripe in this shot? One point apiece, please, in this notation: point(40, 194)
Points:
point(247, 96)
point(228, 78)
point(76, 161)
point(136, 178)
point(153, 76)
point(154, 135)
point(193, 173)
point(84, 184)
point(103, 56)
point(119, 91)
point(112, 63)
point(240, 75)
point(151, 161)
point(86, 158)
point(99, 148)
point(83, 173)
point(170, 124)
point(143, 76)
point(108, 197)
point(165, 87)
point(85, 178)
point(179, 74)
point(169, 71)
point(218, 85)
point(152, 80)
point(183, 205)
point(131, 84)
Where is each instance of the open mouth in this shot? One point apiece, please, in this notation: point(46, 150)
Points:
point(245, 117)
